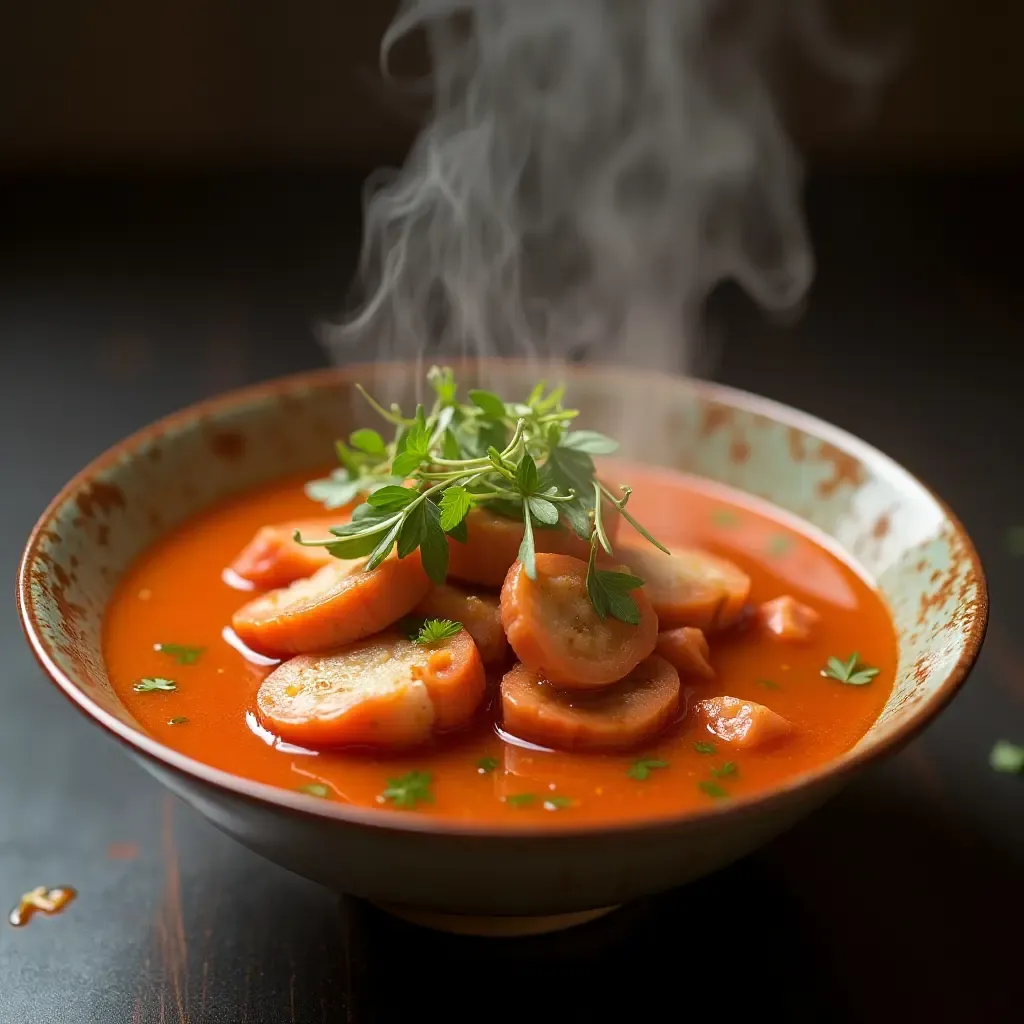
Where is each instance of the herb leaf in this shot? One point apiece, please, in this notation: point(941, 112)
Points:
point(455, 504)
point(433, 631)
point(409, 790)
point(641, 769)
point(1007, 757)
point(589, 441)
point(368, 441)
point(434, 546)
point(181, 654)
point(727, 769)
point(150, 684)
point(527, 551)
point(489, 404)
point(521, 799)
point(557, 803)
point(704, 748)
point(609, 591)
point(851, 672)
point(542, 510)
point(712, 789)
point(334, 491)
point(384, 546)
point(486, 765)
point(391, 498)
point(316, 788)
point(178, 720)
point(527, 477)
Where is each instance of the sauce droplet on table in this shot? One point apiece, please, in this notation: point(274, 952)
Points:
point(41, 900)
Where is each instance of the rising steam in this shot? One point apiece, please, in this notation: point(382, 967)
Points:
point(592, 169)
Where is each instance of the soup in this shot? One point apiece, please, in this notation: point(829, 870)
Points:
point(592, 685)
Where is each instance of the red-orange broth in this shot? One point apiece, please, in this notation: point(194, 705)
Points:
point(175, 594)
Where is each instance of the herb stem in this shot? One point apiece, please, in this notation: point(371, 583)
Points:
point(391, 417)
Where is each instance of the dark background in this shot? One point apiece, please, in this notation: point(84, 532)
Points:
point(178, 208)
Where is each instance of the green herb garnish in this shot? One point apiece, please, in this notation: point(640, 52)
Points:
point(409, 790)
point(852, 671)
point(725, 517)
point(642, 768)
point(712, 789)
point(151, 683)
point(517, 459)
point(315, 789)
point(521, 799)
point(486, 765)
point(179, 720)
point(1007, 757)
point(703, 748)
point(433, 631)
point(726, 770)
point(181, 654)
point(769, 684)
point(557, 803)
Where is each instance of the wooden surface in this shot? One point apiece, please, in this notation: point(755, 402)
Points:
point(902, 900)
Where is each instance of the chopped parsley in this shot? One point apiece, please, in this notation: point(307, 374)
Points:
point(726, 770)
point(712, 789)
point(725, 517)
point(769, 684)
point(1007, 757)
point(521, 799)
point(642, 768)
point(704, 748)
point(181, 654)
point(852, 672)
point(179, 720)
point(486, 765)
point(433, 631)
point(315, 789)
point(557, 803)
point(151, 683)
point(409, 790)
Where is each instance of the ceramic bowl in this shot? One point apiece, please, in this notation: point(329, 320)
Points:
point(460, 875)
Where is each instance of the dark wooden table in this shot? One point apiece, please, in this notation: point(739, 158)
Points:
point(902, 900)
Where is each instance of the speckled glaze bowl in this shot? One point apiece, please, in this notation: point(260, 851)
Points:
point(470, 877)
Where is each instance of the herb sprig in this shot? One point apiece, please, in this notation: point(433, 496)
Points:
point(409, 790)
point(853, 671)
point(516, 459)
point(433, 631)
point(151, 683)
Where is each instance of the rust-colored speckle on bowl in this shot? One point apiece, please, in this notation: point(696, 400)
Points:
point(228, 445)
point(98, 496)
point(845, 469)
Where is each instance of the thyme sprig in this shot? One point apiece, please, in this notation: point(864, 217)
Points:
point(517, 459)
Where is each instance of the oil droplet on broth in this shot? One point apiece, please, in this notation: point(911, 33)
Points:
point(41, 900)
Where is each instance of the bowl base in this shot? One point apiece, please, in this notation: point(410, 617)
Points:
point(492, 927)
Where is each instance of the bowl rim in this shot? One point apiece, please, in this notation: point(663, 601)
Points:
point(833, 771)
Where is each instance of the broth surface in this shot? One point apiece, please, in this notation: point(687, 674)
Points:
point(175, 594)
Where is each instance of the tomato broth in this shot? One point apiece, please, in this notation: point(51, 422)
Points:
point(169, 620)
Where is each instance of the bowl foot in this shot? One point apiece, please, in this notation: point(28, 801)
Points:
point(492, 927)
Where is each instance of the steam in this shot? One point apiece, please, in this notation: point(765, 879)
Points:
point(591, 170)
